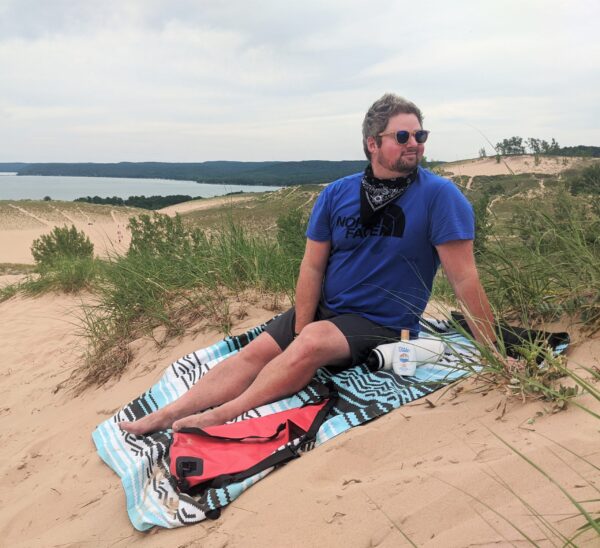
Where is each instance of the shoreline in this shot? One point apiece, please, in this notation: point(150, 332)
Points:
point(159, 179)
point(69, 188)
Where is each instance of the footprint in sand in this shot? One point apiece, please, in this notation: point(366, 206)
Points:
point(336, 518)
point(491, 454)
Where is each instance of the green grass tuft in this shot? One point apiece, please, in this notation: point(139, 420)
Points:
point(69, 275)
point(173, 275)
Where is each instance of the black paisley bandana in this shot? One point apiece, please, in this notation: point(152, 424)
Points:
point(377, 194)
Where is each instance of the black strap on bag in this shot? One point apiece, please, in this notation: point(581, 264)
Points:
point(279, 457)
point(204, 433)
point(514, 338)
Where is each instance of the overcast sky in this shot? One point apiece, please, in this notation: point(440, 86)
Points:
point(197, 80)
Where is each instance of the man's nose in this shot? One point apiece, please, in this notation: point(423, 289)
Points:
point(412, 140)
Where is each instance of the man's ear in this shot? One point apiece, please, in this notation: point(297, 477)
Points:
point(372, 144)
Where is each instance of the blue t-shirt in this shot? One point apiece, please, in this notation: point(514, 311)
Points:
point(385, 273)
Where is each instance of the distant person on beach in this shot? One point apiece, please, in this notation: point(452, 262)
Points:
point(374, 243)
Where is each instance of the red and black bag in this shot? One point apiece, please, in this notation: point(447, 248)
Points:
point(217, 456)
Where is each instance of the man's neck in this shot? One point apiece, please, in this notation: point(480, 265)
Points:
point(381, 172)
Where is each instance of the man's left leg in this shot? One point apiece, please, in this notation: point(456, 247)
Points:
point(220, 384)
point(320, 343)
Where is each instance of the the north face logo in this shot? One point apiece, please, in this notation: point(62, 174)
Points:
point(392, 222)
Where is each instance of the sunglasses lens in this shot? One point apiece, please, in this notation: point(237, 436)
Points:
point(402, 136)
point(421, 136)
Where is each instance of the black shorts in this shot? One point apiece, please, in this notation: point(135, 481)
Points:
point(362, 335)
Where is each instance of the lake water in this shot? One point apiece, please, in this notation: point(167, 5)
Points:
point(32, 187)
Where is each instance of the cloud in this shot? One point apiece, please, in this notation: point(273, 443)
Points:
point(190, 80)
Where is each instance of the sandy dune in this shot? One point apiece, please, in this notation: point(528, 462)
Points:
point(21, 222)
point(516, 164)
point(434, 474)
point(206, 203)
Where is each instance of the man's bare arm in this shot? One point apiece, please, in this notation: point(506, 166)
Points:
point(459, 265)
point(310, 280)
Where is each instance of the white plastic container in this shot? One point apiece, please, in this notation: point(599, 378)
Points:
point(409, 354)
point(382, 357)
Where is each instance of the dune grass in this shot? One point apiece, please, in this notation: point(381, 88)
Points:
point(173, 275)
point(9, 291)
point(64, 261)
point(15, 268)
point(550, 267)
point(69, 275)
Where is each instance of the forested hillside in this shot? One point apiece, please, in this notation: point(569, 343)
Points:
point(246, 173)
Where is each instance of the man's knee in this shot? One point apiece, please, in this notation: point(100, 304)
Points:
point(321, 338)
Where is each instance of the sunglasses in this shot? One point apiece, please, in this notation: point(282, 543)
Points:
point(403, 136)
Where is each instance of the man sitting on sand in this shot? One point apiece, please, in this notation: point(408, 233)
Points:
point(374, 243)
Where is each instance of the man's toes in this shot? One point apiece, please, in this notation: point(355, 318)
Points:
point(129, 427)
point(178, 425)
point(192, 421)
point(150, 423)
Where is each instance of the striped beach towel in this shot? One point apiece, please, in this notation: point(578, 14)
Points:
point(142, 462)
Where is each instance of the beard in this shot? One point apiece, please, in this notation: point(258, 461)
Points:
point(406, 164)
point(403, 165)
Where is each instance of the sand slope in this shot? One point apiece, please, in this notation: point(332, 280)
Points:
point(22, 221)
point(205, 203)
point(417, 471)
point(515, 164)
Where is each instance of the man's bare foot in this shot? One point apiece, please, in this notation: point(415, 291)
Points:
point(159, 420)
point(201, 420)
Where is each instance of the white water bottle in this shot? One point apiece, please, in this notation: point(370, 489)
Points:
point(408, 354)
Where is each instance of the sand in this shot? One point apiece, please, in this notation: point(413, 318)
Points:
point(205, 203)
point(22, 221)
point(434, 471)
point(517, 164)
point(431, 473)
